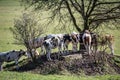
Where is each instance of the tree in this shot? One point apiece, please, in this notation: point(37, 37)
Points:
point(93, 13)
point(26, 29)
point(90, 13)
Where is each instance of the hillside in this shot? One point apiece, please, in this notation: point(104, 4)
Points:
point(74, 66)
point(9, 10)
point(77, 63)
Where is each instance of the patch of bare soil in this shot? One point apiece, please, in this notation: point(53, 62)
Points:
point(74, 62)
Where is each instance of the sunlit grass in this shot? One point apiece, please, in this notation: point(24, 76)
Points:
point(29, 76)
point(9, 9)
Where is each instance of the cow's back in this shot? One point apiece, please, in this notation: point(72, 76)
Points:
point(3, 56)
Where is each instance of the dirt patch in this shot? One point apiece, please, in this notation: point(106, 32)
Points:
point(76, 63)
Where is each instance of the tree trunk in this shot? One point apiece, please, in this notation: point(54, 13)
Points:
point(32, 56)
point(86, 27)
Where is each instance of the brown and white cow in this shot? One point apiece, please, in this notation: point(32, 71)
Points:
point(71, 38)
point(11, 56)
point(75, 41)
point(107, 40)
point(87, 39)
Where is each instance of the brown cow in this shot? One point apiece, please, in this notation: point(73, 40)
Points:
point(107, 40)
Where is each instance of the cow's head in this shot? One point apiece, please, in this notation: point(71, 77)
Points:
point(22, 52)
point(87, 31)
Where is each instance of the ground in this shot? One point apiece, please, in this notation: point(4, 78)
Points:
point(74, 63)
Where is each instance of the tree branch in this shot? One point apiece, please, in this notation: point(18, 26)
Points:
point(72, 16)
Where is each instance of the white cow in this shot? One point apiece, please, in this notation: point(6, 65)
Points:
point(11, 56)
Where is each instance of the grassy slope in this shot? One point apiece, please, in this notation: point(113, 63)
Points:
point(29, 76)
point(9, 9)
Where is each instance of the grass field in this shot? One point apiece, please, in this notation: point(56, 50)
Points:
point(10, 9)
point(29, 76)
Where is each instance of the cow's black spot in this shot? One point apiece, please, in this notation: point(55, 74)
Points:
point(46, 44)
point(8, 58)
point(19, 55)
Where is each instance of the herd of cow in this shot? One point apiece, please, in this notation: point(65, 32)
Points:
point(61, 41)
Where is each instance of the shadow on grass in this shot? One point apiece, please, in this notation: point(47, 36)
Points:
point(86, 64)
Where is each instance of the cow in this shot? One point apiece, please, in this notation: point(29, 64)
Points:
point(52, 43)
point(75, 41)
point(71, 38)
point(66, 40)
point(107, 40)
point(86, 38)
point(94, 42)
point(11, 56)
point(34, 44)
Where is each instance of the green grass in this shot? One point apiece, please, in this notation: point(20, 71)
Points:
point(10, 9)
point(29, 76)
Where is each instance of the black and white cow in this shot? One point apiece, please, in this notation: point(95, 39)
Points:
point(11, 56)
point(52, 43)
point(66, 40)
point(34, 44)
point(71, 38)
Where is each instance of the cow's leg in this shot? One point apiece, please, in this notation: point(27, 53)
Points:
point(89, 50)
point(111, 48)
point(95, 48)
point(1, 67)
point(48, 54)
point(42, 50)
point(16, 63)
point(67, 51)
point(59, 51)
point(85, 46)
point(102, 47)
point(60, 48)
point(74, 47)
point(65, 48)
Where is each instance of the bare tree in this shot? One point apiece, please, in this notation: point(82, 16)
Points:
point(91, 13)
point(26, 29)
point(82, 14)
